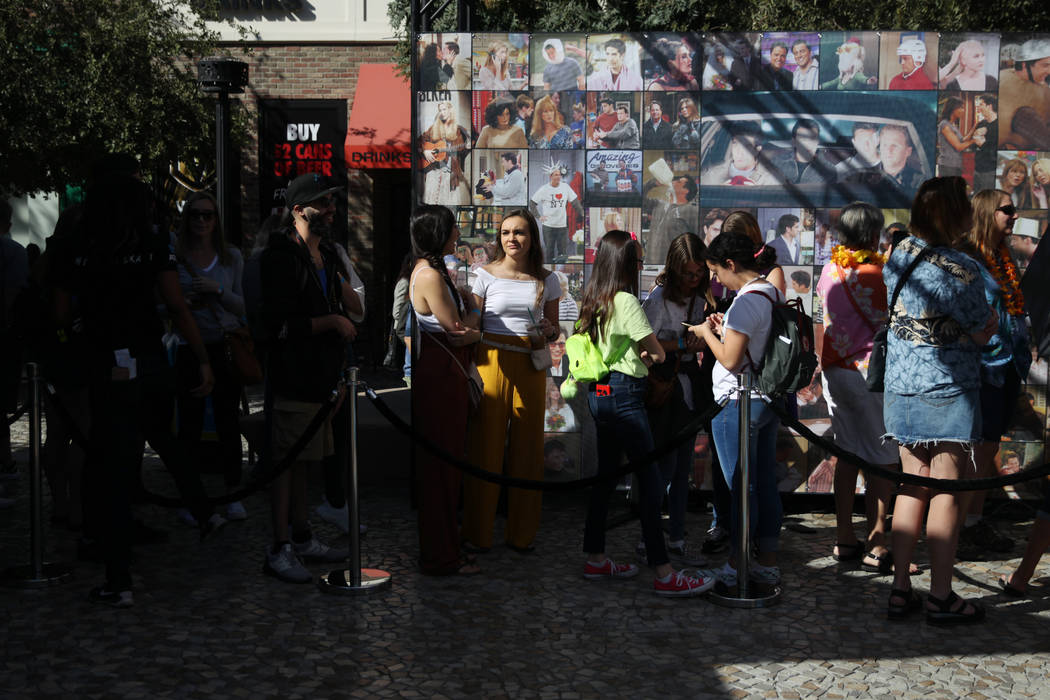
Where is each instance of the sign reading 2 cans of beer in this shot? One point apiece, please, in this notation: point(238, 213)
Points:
point(298, 137)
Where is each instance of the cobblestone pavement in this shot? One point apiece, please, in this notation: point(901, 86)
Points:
point(208, 624)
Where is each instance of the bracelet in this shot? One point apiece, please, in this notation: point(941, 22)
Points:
point(681, 343)
point(475, 311)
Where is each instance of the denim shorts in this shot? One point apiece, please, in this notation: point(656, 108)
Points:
point(921, 419)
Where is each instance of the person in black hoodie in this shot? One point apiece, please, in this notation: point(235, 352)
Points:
point(304, 290)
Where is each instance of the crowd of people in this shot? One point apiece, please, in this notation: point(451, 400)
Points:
point(958, 352)
point(113, 279)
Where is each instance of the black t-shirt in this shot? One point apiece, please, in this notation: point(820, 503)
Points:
point(984, 158)
point(115, 293)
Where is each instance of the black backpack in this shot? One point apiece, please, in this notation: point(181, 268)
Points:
point(789, 360)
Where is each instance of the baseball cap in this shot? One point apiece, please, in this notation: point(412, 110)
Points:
point(307, 188)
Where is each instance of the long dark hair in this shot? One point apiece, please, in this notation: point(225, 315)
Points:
point(431, 227)
point(739, 248)
point(941, 211)
point(686, 248)
point(615, 270)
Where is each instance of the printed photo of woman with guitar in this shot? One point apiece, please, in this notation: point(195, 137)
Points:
point(444, 146)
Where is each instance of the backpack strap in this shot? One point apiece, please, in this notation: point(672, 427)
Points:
point(771, 301)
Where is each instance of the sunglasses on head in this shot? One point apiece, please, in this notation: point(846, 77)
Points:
point(1008, 209)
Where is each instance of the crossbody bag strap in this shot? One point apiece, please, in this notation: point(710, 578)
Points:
point(904, 278)
point(446, 349)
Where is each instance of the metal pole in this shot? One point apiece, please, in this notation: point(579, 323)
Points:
point(744, 597)
point(743, 543)
point(38, 573)
point(222, 165)
point(353, 579)
point(351, 485)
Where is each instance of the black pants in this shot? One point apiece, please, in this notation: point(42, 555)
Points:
point(225, 402)
point(123, 412)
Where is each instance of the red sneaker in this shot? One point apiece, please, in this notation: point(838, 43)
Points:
point(680, 585)
point(609, 569)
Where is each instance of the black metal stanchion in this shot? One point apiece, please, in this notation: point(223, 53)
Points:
point(38, 573)
point(744, 597)
point(353, 579)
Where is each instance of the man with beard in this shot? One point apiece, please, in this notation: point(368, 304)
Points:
point(305, 290)
point(1024, 99)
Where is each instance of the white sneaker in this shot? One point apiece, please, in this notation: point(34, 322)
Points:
point(340, 517)
point(186, 518)
point(285, 566)
point(769, 575)
point(214, 525)
point(317, 550)
point(236, 511)
point(727, 575)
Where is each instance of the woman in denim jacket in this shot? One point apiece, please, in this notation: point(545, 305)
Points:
point(932, 399)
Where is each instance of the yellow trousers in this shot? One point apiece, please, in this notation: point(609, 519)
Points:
point(511, 409)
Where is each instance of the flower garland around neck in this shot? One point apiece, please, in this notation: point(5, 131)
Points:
point(847, 257)
point(1004, 271)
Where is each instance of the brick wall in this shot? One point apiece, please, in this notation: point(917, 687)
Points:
point(316, 72)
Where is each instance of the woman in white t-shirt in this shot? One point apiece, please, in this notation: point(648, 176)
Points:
point(737, 339)
point(518, 299)
point(680, 296)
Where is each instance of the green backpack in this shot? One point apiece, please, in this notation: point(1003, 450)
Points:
point(586, 363)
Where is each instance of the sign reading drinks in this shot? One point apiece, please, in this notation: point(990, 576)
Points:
point(664, 133)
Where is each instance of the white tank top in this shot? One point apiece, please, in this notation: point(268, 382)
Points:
point(427, 322)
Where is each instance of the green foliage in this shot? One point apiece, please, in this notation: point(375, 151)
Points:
point(86, 77)
point(739, 15)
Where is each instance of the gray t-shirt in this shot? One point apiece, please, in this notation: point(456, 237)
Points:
point(562, 76)
point(216, 314)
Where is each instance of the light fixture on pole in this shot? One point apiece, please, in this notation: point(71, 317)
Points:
point(222, 77)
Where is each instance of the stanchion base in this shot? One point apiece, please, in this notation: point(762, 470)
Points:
point(758, 597)
point(26, 577)
point(338, 581)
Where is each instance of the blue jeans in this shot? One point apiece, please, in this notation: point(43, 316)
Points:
point(623, 427)
point(767, 512)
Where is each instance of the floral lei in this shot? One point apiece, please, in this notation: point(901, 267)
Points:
point(847, 257)
point(1005, 273)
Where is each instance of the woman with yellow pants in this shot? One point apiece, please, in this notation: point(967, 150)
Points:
point(519, 298)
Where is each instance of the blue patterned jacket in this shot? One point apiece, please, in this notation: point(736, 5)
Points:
point(930, 351)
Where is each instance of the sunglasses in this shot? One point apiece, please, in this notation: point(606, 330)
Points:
point(1008, 209)
point(202, 215)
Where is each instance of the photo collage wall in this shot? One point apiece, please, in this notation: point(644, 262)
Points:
point(660, 134)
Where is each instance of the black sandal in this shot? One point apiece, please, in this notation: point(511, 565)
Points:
point(1010, 589)
point(883, 562)
point(952, 611)
point(898, 611)
point(847, 552)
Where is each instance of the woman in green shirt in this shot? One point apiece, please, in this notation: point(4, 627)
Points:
point(616, 324)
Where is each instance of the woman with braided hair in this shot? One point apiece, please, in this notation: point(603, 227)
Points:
point(439, 376)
